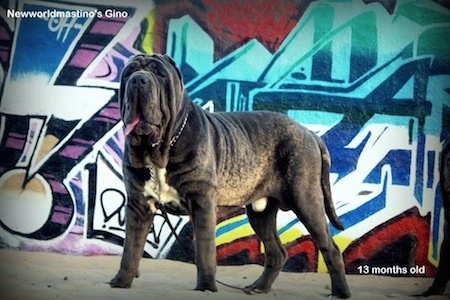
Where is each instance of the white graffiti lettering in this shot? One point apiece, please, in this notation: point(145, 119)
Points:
point(63, 26)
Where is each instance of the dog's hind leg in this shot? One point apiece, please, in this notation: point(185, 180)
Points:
point(312, 215)
point(264, 225)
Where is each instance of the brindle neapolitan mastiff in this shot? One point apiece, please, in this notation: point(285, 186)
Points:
point(443, 271)
point(196, 162)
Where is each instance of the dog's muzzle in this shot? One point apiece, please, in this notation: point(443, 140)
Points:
point(144, 123)
point(139, 130)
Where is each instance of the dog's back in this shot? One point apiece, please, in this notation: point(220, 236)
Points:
point(268, 150)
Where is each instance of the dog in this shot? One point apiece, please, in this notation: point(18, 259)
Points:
point(443, 271)
point(196, 162)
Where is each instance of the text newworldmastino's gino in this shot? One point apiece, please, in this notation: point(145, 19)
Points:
point(54, 13)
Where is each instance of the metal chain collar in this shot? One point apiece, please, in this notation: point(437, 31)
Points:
point(155, 185)
point(175, 138)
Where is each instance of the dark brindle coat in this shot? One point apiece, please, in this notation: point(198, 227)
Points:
point(203, 161)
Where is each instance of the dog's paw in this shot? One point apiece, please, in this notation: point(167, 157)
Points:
point(340, 295)
point(121, 282)
point(115, 283)
point(258, 288)
point(432, 290)
point(206, 287)
point(251, 290)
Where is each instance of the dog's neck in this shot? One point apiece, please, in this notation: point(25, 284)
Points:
point(160, 155)
point(180, 131)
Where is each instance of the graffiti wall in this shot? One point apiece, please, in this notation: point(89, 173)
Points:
point(372, 78)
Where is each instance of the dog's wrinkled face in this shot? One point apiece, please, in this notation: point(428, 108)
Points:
point(149, 90)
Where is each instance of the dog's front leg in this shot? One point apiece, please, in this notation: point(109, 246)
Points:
point(204, 219)
point(138, 222)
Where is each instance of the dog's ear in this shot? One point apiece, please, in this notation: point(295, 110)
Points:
point(121, 94)
point(172, 62)
point(131, 58)
point(122, 84)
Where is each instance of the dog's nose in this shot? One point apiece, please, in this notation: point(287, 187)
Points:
point(139, 79)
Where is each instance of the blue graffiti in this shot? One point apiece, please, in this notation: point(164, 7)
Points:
point(343, 74)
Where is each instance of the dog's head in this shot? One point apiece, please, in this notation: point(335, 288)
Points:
point(150, 96)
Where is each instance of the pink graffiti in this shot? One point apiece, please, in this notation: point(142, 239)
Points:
point(111, 64)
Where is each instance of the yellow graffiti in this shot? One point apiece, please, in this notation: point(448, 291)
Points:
point(237, 227)
point(290, 235)
point(342, 242)
point(434, 260)
point(237, 232)
point(241, 229)
point(286, 237)
point(147, 33)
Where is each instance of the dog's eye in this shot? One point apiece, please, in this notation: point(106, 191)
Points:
point(159, 73)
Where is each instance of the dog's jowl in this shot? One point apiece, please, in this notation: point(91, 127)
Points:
point(197, 162)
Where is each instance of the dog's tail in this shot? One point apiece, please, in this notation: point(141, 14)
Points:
point(325, 182)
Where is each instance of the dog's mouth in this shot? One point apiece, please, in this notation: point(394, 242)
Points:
point(138, 129)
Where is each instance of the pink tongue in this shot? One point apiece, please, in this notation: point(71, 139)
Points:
point(129, 127)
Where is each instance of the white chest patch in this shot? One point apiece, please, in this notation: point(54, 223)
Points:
point(259, 205)
point(158, 188)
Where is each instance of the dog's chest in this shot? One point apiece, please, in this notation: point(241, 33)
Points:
point(158, 188)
